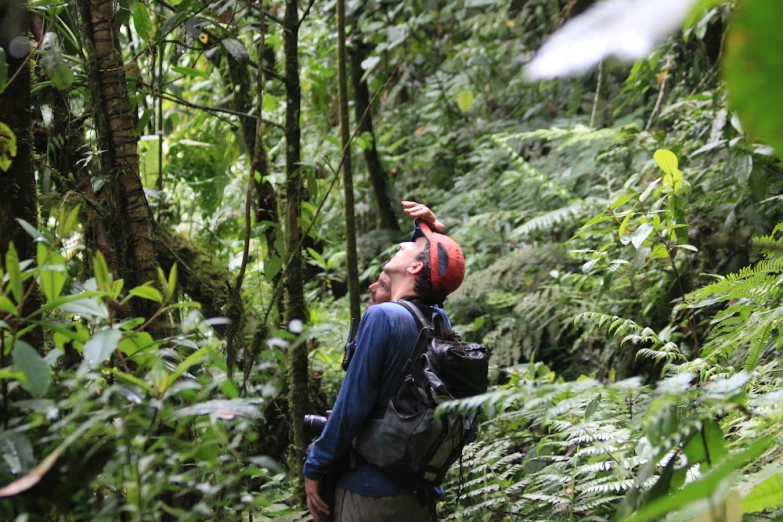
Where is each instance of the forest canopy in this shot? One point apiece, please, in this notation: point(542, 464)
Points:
point(197, 196)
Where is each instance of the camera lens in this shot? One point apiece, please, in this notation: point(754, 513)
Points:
point(314, 424)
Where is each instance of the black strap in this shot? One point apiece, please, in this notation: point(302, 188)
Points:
point(418, 316)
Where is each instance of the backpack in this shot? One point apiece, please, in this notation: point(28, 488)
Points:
point(402, 437)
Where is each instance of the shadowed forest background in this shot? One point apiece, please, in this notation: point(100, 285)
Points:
point(196, 195)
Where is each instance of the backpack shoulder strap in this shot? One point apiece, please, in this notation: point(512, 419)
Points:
point(418, 316)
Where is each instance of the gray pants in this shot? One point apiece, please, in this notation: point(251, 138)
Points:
point(352, 507)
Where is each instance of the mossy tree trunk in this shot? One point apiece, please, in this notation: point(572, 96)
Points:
point(295, 305)
point(131, 224)
point(345, 140)
point(20, 196)
point(363, 112)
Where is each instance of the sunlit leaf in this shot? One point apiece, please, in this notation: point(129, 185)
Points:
point(7, 306)
point(52, 275)
point(14, 272)
point(67, 225)
point(767, 495)
point(147, 292)
point(465, 100)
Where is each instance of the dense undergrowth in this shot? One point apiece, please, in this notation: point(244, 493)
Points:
point(624, 259)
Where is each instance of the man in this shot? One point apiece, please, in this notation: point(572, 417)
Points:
point(380, 291)
point(427, 268)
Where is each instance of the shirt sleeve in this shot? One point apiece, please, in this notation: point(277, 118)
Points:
point(357, 395)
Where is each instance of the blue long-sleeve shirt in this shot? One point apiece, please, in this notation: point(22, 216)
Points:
point(387, 335)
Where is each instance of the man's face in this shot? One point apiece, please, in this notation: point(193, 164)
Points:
point(380, 291)
point(405, 258)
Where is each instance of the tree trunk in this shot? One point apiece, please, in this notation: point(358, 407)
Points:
point(345, 139)
point(20, 196)
point(130, 216)
point(363, 113)
point(295, 306)
point(266, 198)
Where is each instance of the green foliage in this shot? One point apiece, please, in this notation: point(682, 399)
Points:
point(751, 64)
point(552, 449)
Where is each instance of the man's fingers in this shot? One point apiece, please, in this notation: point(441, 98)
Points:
point(313, 512)
point(321, 505)
point(315, 503)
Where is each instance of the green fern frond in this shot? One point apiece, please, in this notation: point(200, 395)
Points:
point(549, 219)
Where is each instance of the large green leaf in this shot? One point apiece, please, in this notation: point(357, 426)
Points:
point(52, 276)
point(753, 69)
point(767, 495)
point(101, 346)
point(702, 488)
point(141, 20)
point(465, 100)
point(14, 272)
point(36, 372)
point(7, 306)
point(147, 292)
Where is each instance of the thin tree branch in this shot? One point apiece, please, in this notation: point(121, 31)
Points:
point(173, 98)
point(307, 12)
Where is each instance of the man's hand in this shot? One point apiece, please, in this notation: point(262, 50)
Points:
point(423, 212)
point(314, 502)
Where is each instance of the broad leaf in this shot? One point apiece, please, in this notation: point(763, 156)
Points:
point(101, 346)
point(641, 234)
point(14, 272)
point(101, 270)
point(236, 50)
point(141, 19)
point(37, 376)
point(666, 160)
point(52, 275)
point(67, 225)
point(172, 282)
point(84, 306)
point(32, 231)
point(753, 69)
point(147, 292)
point(465, 100)
point(702, 488)
point(7, 306)
point(767, 495)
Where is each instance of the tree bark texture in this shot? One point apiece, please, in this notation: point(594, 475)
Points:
point(345, 140)
point(132, 224)
point(295, 305)
point(380, 181)
point(19, 190)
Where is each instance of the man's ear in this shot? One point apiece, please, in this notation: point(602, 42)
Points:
point(416, 268)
